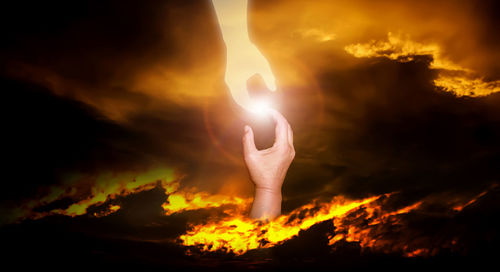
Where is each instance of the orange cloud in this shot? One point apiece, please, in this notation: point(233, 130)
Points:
point(87, 191)
point(364, 221)
point(452, 77)
point(103, 190)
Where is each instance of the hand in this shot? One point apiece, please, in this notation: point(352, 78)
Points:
point(268, 167)
point(244, 61)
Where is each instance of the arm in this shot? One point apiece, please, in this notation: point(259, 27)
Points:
point(243, 58)
point(232, 17)
point(268, 167)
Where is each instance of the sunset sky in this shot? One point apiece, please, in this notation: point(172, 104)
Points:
point(122, 141)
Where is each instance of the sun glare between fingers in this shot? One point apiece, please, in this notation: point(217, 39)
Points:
point(261, 107)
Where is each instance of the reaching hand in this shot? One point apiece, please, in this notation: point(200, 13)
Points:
point(268, 167)
point(244, 61)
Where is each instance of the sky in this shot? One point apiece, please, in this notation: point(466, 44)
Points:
point(123, 144)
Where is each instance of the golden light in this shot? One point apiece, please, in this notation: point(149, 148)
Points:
point(260, 107)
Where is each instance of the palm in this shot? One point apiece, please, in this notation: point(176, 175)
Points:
point(243, 63)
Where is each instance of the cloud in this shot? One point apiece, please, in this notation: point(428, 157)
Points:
point(119, 88)
point(452, 78)
point(123, 65)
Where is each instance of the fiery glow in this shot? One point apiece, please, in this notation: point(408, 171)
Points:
point(368, 222)
point(106, 187)
point(240, 234)
point(465, 86)
point(109, 186)
point(360, 221)
point(460, 207)
point(189, 200)
point(367, 234)
point(395, 48)
point(111, 209)
point(452, 77)
point(417, 252)
point(90, 191)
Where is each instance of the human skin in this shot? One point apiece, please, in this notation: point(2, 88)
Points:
point(243, 58)
point(268, 167)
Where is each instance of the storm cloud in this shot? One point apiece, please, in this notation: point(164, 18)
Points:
point(93, 87)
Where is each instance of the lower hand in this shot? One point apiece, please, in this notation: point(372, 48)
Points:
point(268, 167)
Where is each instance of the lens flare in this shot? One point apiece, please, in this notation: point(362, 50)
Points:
point(261, 107)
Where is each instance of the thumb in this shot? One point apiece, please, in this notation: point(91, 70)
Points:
point(248, 141)
point(269, 79)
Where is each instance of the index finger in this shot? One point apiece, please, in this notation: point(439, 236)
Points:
point(281, 127)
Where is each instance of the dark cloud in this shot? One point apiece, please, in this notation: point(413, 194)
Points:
point(46, 135)
point(404, 135)
point(92, 87)
point(123, 240)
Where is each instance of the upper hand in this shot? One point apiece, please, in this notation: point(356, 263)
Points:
point(244, 61)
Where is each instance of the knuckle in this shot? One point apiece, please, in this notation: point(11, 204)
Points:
point(285, 148)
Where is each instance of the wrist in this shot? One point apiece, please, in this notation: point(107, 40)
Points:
point(237, 42)
point(268, 190)
point(266, 204)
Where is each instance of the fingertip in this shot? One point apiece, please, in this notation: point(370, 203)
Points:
point(277, 116)
point(248, 141)
point(269, 79)
point(273, 112)
point(248, 132)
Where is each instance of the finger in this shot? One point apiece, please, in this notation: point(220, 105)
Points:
point(290, 135)
point(248, 141)
point(269, 79)
point(281, 127)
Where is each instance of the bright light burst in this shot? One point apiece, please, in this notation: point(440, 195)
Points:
point(261, 107)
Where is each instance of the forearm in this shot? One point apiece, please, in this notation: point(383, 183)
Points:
point(266, 204)
point(232, 17)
